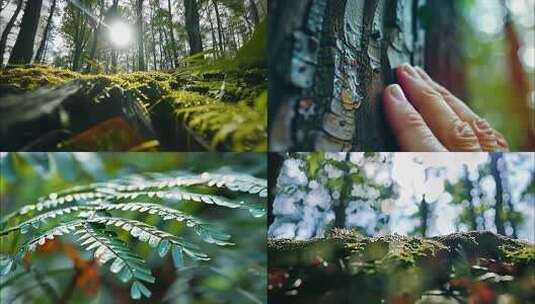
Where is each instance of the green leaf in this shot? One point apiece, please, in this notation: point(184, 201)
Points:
point(178, 257)
point(6, 267)
point(163, 248)
point(139, 289)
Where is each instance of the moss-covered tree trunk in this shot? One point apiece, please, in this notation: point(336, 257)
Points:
point(330, 63)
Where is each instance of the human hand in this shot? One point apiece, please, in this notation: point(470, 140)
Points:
point(425, 116)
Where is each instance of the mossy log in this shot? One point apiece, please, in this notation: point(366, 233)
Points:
point(346, 267)
point(49, 108)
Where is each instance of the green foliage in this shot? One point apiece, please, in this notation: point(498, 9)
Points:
point(95, 213)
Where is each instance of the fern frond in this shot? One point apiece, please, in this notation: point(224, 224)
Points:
point(154, 237)
point(207, 232)
point(157, 187)
point(89, 213)
point(124, 263)
point(177, 195)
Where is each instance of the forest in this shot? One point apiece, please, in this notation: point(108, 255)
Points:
point(140, 75)
point(132, 228)
point(401, 228)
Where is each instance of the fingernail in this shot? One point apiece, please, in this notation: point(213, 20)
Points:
point(410, 71)
point(396, 92)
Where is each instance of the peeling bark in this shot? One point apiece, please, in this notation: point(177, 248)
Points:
point(330, 63)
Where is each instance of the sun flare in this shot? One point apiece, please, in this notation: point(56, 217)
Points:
point(120, 33)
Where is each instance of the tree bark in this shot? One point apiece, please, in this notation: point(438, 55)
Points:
point(7, 30)
point(140, 37)
point(254, 12)
point(172, 33)
point(96, 37)
point(495, 160)
point(468, 187)
point(193, 27)
point(219, 27)
point(22, 52)
point(330, 61)
point(40, 55)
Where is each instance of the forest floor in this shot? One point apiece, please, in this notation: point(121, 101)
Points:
point(473, 267)
point(199, 107)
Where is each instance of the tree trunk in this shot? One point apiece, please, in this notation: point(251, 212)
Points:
point(468, 187)
point(193, 27)
point(40, 56)
point(96, 37)
point(331, 61)
point(495, 170)
point(172, 33)
point(7, 30)
point(219, 27)
point(140, 37)
point(153, 36)
point(254, 12)
point(22, 52)
point(212, 30)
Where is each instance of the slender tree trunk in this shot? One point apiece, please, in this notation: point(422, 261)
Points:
point(254, 12)
point(7, 30)
point(219, 27)
point(212, 30)
point(153, 36)
point(161, 47)
point(40, 55)
point(22, 52)
point(330, 62)
point(172, 33)
point(495, 170)
point(468, 187)
point(140, 37)
point(96, 37)
point(423, 211)
point(340, 205)
point(193, 27)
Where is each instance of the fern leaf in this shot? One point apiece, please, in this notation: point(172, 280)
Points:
point(181, 195)
point(154, 237)
point(208, 233)
point(108, 248)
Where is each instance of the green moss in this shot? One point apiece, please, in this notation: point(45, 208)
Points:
point(32, 77)
point(523, 255)
point(226, 108)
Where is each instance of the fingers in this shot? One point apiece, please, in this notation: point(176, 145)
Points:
point(408, 125)
point(487, 137)
point(453, 132)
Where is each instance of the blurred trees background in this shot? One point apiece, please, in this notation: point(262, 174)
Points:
point(236, 274)
point(423, 194)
